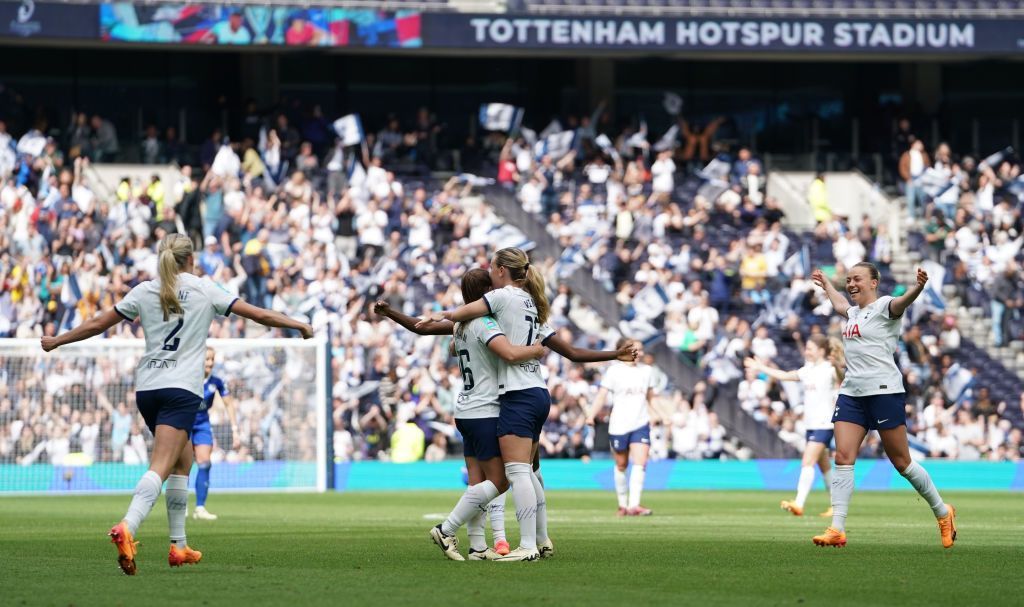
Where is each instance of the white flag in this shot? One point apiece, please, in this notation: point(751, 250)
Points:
point(553, 127)
point(349, 129)
point(639, 138)
point(673, 104)
point(668, 140)
point(556, 145)
point(606, 146)
point(32, 143)
point(500, 117)
point(529, 136)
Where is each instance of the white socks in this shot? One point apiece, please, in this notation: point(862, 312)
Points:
point(473, 501)
point(521, 477)
point(636, 485)
point(497, 512)
point(475, 527)
point(803, 486)
point(621, 488)
point(542, 509)
point(919, 478)
point(842, 491)
point(146, 493)
point(827, 475)
point(177, 505)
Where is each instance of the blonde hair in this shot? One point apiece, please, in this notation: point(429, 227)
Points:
point(519, 268)
point(835, 350)
point(173, 251)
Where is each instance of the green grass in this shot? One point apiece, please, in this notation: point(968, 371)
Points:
point(361, 548)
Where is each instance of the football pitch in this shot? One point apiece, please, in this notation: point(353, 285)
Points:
point(699, 548)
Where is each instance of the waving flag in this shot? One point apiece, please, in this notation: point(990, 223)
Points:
point(349, 129)
point(500, 117)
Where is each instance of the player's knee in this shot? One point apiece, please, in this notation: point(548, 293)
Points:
point(502, 485)
point(901, 463)
point(203, 465)
point(845, 458)
point(621, 467)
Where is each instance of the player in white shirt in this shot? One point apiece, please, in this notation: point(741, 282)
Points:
point(871, 396)
point(175, 311)
point(520, 305)
point(631, 385)
point(820, 378)
point(479, 345)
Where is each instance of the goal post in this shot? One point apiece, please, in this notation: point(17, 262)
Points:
point(68, 420)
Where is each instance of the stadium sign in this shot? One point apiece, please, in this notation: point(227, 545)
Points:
point(624, 34)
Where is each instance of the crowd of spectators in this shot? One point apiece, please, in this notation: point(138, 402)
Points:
point(312, 229)
point(316, 235)
point(741, 288)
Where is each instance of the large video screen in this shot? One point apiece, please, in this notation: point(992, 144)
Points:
point(258, 25)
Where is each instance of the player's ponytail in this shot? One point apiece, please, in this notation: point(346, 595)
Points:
point(521, 271)
point(174, 251)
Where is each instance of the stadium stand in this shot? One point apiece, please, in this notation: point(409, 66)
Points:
point(692, 256)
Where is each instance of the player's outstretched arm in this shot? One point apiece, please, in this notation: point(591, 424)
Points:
point(514, 354)
point(443, 327)
point(627, 353)
point(778, 374)
point(839, 301)
point(270, 318)
point(461, 314)
point(900, 304)
point(90, 328)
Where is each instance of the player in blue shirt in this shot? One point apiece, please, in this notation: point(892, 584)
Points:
point(202, 434)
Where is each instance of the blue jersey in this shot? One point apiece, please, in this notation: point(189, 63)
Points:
point(213, 385)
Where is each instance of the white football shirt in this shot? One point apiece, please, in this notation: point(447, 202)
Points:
point(516, 314)
point(175, 353)
point(628, 385)
point(819, 397)
point(478, 396)
point(870, 338)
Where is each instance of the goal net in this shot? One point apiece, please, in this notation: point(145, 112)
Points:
point(68, 420)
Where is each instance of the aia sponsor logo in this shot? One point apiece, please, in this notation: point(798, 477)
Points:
point(851, 331)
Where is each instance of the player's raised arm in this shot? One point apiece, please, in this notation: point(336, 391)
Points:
point(899, 305)
point(627, 353)
point(777, 374)
point(94, 326)
point(439, 327)
point(839, 301)
point(461, 314)
point(270, 318)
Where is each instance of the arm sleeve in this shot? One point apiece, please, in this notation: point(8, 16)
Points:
point(608, 379)
point(497, 301)
point(544, 333)
point(487, 329)
point(128, 307)
point(886, 301)
point(219, 297)
point(222, 388)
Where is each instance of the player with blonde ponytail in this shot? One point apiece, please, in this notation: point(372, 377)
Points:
point(175, 311)
point(520, 305)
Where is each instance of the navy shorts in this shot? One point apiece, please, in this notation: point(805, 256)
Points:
point(523, 412)
point(820, 436)
point(172, 407)
point(621, 442)
point(202, 433)
point(479, 437)
point(874, 412)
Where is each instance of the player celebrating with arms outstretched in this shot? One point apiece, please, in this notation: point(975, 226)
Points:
point(871, 396)
point(820, 378)
point(176, 311)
